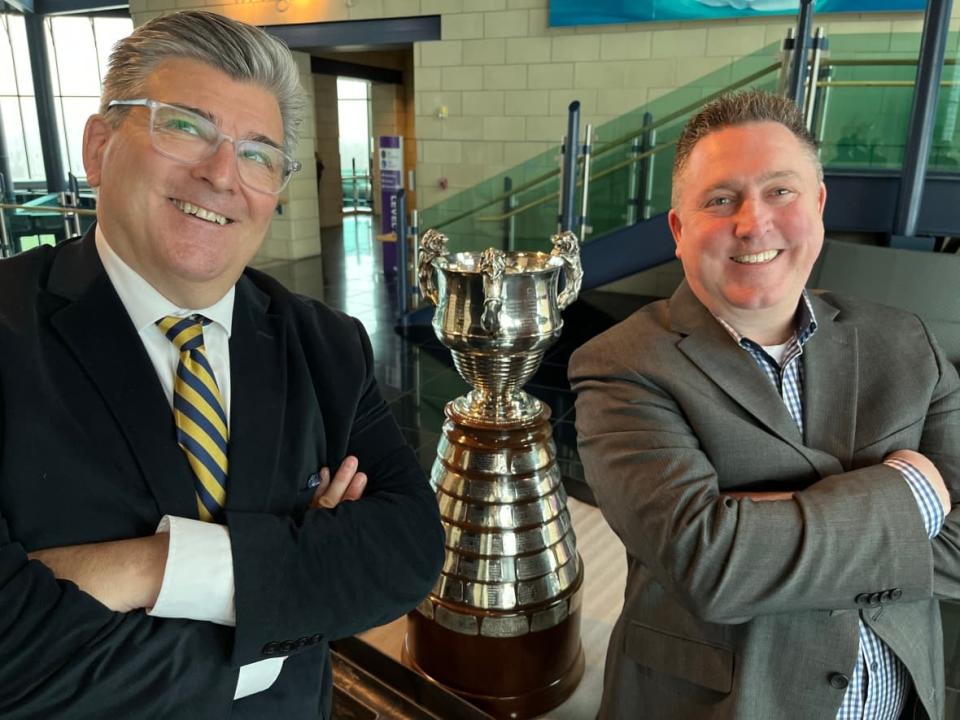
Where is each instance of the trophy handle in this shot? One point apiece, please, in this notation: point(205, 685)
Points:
point(492, 264)
point(432, 245)
point(567, 248)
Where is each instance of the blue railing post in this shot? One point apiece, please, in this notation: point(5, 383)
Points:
point(571, 153)
point(46, 112)
point(645, 194)
point(6, 177)
point(936, 22)
point(402, 269)
point(796, 85)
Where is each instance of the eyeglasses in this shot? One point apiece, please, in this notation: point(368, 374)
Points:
point(188, 137)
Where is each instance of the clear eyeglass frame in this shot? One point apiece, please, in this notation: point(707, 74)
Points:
point(261, 166)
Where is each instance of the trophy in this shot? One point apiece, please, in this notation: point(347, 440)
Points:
point(501, 627)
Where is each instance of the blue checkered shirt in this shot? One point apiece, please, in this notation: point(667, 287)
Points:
point(879, 684)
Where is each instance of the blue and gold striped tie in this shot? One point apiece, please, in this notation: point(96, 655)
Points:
point(199, 414)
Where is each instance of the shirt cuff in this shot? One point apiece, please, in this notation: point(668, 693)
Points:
point(198, 579)
point(257, 677)
point(926, 497)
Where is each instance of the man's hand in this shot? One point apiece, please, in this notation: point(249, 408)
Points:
point(124, 575)
point(924, 465)
point(347, 484)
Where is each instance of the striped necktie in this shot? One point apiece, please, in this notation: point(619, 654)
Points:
point(199, 414)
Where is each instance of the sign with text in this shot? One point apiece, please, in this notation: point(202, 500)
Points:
point(391, 180)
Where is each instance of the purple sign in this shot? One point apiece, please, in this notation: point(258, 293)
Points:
point(391, 180)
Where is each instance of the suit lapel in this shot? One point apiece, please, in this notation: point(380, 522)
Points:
point(258, 363)
point(97, 330)
point(711, 348)
point(831, 381)
point(829, 403)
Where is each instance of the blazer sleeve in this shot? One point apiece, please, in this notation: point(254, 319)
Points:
point(941, 443)
point(336, 572)
point(728, 560)
point(54, 639)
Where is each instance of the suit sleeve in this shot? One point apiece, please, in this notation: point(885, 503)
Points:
point(63, 654)
point(336, 572)
point(729, 560)
point(941, 443)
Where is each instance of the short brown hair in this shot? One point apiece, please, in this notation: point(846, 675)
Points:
point(740, 108)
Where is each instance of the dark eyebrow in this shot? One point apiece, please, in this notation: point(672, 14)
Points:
point(255, 137)
point(735, 186)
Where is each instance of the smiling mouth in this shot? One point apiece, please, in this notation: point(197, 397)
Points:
point(757, 258)
point(199, 212)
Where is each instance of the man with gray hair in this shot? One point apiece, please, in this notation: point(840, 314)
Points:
point(173, 543)
point(779, 464)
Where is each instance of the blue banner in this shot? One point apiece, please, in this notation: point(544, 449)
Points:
point(599, 12)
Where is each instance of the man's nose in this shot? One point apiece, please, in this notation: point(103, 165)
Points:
point(752, 219)
point(220, 168)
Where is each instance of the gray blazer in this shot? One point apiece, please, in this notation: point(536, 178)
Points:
point(740, 609)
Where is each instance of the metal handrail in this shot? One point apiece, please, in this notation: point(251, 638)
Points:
point(881, 61)
point(49, 209)
point(671, 117)
point(596, 176)
point(879, 83)
point(677, 114)
point(666, 119)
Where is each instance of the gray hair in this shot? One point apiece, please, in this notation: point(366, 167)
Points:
point(244, 52)
point(740, 108)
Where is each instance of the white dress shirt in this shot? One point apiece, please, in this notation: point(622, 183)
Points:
point(198, 578)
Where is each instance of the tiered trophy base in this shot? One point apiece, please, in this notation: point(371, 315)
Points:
point(501, 627)
point(529, 675)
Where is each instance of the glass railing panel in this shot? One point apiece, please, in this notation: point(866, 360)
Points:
point(615, 171)
point(866, 71)
point(878, 73)
point(474, 218)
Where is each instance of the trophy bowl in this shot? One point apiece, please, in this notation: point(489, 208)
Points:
point(498, 312)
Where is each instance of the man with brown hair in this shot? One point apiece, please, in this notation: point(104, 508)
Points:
point(779, 464)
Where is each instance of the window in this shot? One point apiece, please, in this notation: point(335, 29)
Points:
point(78, 48)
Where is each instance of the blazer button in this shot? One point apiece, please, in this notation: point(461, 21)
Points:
point(862, 599)
point(896, 594)
point(839, 681)
point(874, 599)
point(270, 649)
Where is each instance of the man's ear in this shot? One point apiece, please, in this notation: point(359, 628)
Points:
point(96, 133)
point(822, 198)
point(673, 220)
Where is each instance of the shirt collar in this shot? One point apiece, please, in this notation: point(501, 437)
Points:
point(806, 324)
point(144, 303)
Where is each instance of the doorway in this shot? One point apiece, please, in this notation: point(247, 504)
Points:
point(356, 149)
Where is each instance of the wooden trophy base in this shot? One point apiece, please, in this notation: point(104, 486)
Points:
point(509, 678)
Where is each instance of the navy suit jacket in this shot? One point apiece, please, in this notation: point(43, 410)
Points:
point(88, 453)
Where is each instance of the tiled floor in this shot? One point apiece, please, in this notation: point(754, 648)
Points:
point(415, 372)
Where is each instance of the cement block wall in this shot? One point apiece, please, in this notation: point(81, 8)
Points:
point(505, 77)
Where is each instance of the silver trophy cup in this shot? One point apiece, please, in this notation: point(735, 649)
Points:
point(502, 624)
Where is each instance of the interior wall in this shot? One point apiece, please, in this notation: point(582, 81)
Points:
point(505, 77)
point(329, 188)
